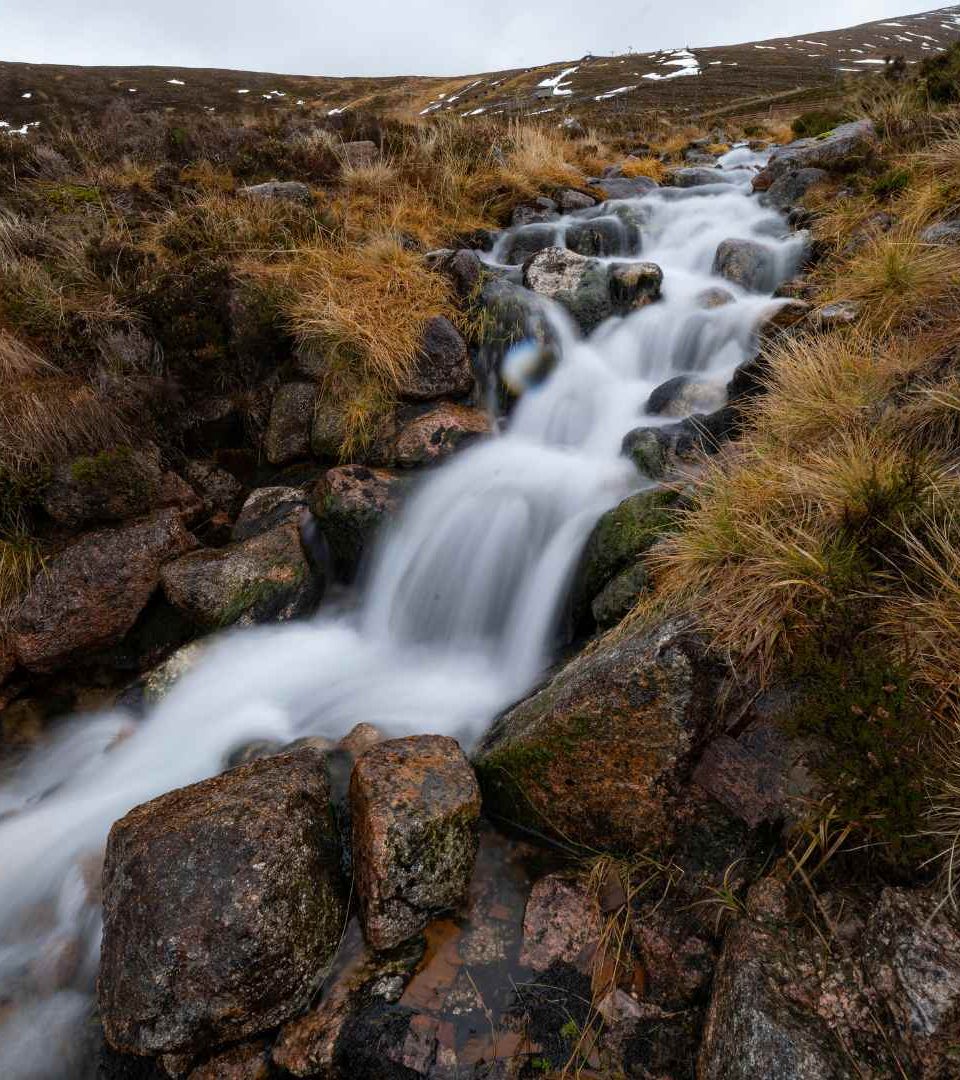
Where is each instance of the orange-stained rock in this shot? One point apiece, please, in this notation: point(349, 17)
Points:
point(561, 924)
point(247, 1061)
point(415, 807)
point(436, 434)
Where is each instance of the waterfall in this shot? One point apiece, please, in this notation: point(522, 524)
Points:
point(456, 621)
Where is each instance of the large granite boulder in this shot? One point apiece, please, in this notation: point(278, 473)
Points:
point(597, 755)
point(222, 906)
point(91, 594)
point(415, 807)
point(443, 364)
point(845, 149)
point(350, 504)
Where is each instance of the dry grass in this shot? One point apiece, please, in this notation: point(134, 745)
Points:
point(645, 166)
point(19, 361)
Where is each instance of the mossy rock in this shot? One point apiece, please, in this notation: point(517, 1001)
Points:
point(619, 538)
point(110, 486)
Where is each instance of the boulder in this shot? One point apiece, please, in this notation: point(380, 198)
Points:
point(291, 417)
point(543, 210)
point(570, 200)
point(360, 154)
point(443, 364)
point(618, 539)
point(746, 263)
point(601, 236)
point(91, 594)
point(845, 149)
point(620, 595)
point(623, 187)
point(561, 924)
point(465, 270)
point(912, 961)
point(350, 503)
point(590, 289)
point(222, 906)
point(278, 191)
point(684, 395)
point(219, 490)
point(267, 507)
point(159, 681)
point(328, 430)
point(265, 578)
point(110, 486)
point(714, 297)
point(415, 807)
point(790, 187)
point(434, 435)
point(527, 241)
point(596, 756)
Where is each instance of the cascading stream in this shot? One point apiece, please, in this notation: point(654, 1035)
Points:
point(456, 621)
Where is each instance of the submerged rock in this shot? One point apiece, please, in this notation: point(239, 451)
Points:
point(90, 595)
point(350, 503)
point(415, 809)
point(697, 176)
point(222, 906)
point(596, 756)
point(601, 236)
point(265, 578)
point(434, 435)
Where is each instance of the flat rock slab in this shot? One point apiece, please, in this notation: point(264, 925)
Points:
point(415, 808)
point(222, 905)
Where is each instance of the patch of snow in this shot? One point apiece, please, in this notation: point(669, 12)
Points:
point(897, 24)
point(243, 91)
point(132, 90)
point(614, 93)
point(337, 112)
point(27, 95)
point(176, 82)
point(767, 48)
point(557, 84)
point(476, 112)
point(807, 41)
point(881, 62)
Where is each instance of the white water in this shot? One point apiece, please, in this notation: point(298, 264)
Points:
point(457, 620)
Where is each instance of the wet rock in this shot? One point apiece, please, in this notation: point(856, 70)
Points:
point(443, 364)
point(251, 751)
point(618, 539)
point(219, 489)
point(699, 177)
point(601, 236)
point(912, 960)
point(836, 315)
point(222, 905)
point(713, 298)
point(350, 503)
point(359, 154)
point(760, 776)
point(415, 806)
point(267, 507)
point(248, 1061)
point(663, 452)
point(8, 659)
point(291, 417)
point(266, 578)
point(683, 395)
point(434, 435)
point(278, 191)
point(110, 486)
point(847, 148)
point(570, 200)
point(595, 756)
point(561, 923)
point(790, 187)
point(90, 594)
point(544, 210)
point(942, 232)
point(161, 680)
point(623, 187)
point(590, 289)
point(620, 595)
point(527, 241)
point(747, 264)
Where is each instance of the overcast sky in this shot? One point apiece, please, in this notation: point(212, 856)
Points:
point(387, 37)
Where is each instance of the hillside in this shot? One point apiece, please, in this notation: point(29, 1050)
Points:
point(689, 80)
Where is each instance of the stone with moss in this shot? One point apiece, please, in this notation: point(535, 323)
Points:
point(291, 417)
point(415, 808)
point(597, 756)
point(620, 595)
point(109, 486)
point(619, 538)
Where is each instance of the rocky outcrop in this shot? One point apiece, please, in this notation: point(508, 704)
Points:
point(845, 149)
point(592, 290)
point(222, 906)
point(350, 503)
point(597, 755)
point(790, 187)
point(443, 364)
point(434, 435)
point(415, 806)
point(291, 417)
point(90, 595)
point(265, 578)
point(278, 191)
point(747, 264)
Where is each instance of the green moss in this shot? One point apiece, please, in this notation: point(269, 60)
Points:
point(817, 122)
point(891, 182)
point(66, 197)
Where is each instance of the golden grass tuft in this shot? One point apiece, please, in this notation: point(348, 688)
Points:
point(645, 166)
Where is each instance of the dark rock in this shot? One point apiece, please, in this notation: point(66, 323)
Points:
point(282, 190)
point(528, 241)
point(266, 508)
point(942, 232)
point(790, 187)
point(619, 596)
point(415, 806)
point(219, 489)
point(623, 187)
point(683, 395)
point(443, 364)
point(350, 503)
point(246, 1061)
point(678, 958)
point(465, 270)
point(544, 211)
point(699, 177)
point(434, 435)
point(266, 578)
point(596, 755)
point(90, 594)
point(747, 264)
point(328, 430)
point(601, 236)
point(110, 486)
point(291, 417)
point(222, 905)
